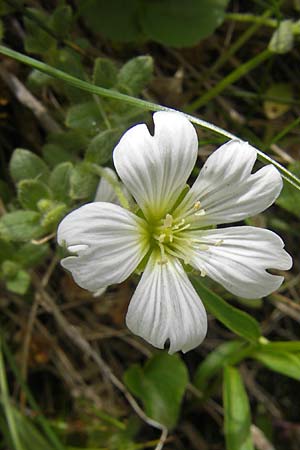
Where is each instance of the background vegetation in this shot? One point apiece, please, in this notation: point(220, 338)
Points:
point(72, 377)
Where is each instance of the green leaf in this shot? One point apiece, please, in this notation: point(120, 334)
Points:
point(85, 86)
point(289, 198)
point(282, 346)
point(73, 141)
point(181, 23)
point(136, 73)
point(20, 283)
point(9, 269)
point(16, 279)
point(64, 146)
point(282, 362)
point(53, 215)
point(282, 40)
point(30, 192)
point(114, 19)
point(236, 320)
point(160, 385)
point(20, 226)
point(60, 181)
point(83, 182)
point(105, 73)
point(36, 80)
point(61, 20)
point(29, 255)
point(30, 435)
point(85, 116)
point(101, 146)
point(26, 165)
point(227, 353)
point(37, 40)
point(237, 418)
point(54, 154)
point(7, 250)
point(69, 61)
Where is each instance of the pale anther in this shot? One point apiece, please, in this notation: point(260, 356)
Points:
point(176, 227)
point(168, 221)
point(197, 206)
point(202, 273)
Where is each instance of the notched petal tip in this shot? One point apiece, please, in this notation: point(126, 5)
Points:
point(155, 168)
point(242, 262)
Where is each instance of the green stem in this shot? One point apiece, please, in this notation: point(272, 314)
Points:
point(241, 40)
point(241, 17)
point(272, 23)
point(238, 73)
point(286, 130)
point(149, 106)
point(9, 413)
point(39, 417)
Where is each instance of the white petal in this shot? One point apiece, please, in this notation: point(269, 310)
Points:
point(108, 241)
point(155, 168)
point(240, 257)
point(105, 191)
point(227, 190)
point(166, 306)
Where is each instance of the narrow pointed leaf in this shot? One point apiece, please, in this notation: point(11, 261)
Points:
point(237, 419)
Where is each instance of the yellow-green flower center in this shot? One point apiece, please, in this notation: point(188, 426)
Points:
point(171, 234)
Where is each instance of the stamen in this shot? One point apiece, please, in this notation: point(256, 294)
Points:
point(197, 206)
point(176, 227)
point(203, 273)
point(163, 259)
point(168, 221)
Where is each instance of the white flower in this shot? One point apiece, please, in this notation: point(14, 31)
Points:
point(170, 230)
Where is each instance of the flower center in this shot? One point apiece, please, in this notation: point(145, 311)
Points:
point(170, 237)
point(173, 235)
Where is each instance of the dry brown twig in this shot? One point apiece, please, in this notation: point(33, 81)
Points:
point(27, 99)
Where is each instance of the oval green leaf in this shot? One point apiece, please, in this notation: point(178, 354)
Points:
point(160, 385)
point(181, 23)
